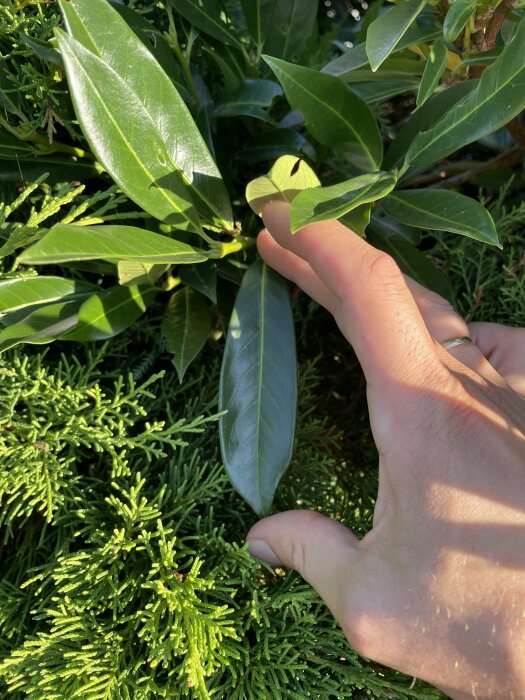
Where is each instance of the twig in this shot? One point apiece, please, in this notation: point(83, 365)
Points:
point(501, 11)
point(506, 159)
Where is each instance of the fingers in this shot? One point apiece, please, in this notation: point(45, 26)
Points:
point(373, 305)
point(504, 348)
point(323, 551)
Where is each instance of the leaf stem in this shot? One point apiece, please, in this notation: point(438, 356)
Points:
point(173, 41)
point(224, 249)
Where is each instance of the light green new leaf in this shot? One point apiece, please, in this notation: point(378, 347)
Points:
point(434, 69)
point(66, 242)
point(258, 15)
point(385, 32)
point(498, 98)
point(458, 15)
point(209, 17)
point(186, 326)
point(356, 57)
point(161, 123)
point(413, 262)
point(288, 176)
point(431, 111)
point(258, 388)
point(43, 325)
point(326, 203)
point(443, 210)
point(293, 29)
point(357, 219)
point(26, 291)
point(110, 312)
point(249, 100)
point(334, 115)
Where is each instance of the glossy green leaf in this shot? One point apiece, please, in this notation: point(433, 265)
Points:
point(202, 277)
point(186, 326)
point(387, 226)
point(131, 272)
point(275, 143)
point(443, 210)
point(356, 57)
point(386, 32)
point(109, 312)
point(326, 203)
point(42, 326)
point(288, 176)
point(22, 292)
point(11, 147)
point(334, 115)
point(43, 49)
point(458, 14)
point(161, 141)
point(431, 111)
point(250, 100)
point(293, 29)
point(434, 69)
point(414, 263)
point(209, 17)
point(65, 242)
point(15, 168)
point(375, 92)
point(358, 219)
point(258, 388)
point(259, 17)
point(498, 98)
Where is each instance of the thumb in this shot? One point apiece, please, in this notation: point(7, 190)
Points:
point(322, 550)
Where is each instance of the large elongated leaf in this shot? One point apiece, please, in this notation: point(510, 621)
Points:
point(293, 29)
point(275, 143)
point(432, 110)
point(59, 168)
point(161, 113)
point(444, 211)
point(413, 262)
point(43, 325)
point(186, 326)
point(202, 277)
point(249, 99)
point(208, 16)
point(325, 203)
point(258, 15)
point(259, 387)
point(334, 115)
point(65, 242)
point(458, 15)
point(434, 69)
point(385, 32)
point(356, 57)
point(109, 312)
point(26, 291)
point(498, 97)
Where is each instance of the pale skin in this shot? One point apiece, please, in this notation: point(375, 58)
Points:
point(437, 588)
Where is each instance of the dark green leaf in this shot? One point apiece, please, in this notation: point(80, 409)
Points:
point(202, 277)
point(259, 16)
point(326, 203)
point(275, 143)
point(208, 16)
point(109, 312)
point(43, 49)
point(356, 57)
point(186, 326)
point(26, 291)
point(385, 33)
point(65, 242)
point(334, 115)
point(41, 326)
point(458, 15)
point(442, 210)
point(9, 94)
point(15, 168)
point(249, 100)
point(432, 110)
point(293, 29)
point(389, 227)
point(374, 92)
point(498, 98)
point(393, 68)
point(11, 147)
point(158, 147)
point(258, 388)
point(414, 263)
point(434, 69)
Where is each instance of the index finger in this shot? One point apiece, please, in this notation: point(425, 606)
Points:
point(376, 311)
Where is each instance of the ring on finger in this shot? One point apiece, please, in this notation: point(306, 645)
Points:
point(453, 342)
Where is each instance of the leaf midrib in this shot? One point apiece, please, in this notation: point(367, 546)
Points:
point(260, 377)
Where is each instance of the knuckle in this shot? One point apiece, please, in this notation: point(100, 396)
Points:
point(381, 271)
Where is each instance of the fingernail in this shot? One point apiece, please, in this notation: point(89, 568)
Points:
point(261, 550)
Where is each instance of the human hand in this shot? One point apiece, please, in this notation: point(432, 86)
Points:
point(437, 588)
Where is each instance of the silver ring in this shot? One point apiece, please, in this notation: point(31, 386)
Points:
point(452, 342)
